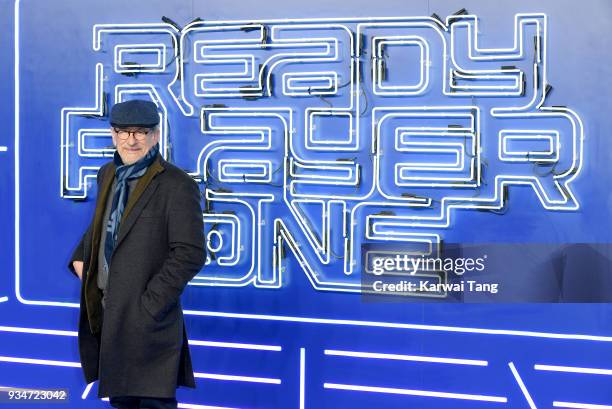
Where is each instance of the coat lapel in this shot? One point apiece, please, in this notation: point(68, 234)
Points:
point(105, 187)
point(92, 292)
point(138, 199)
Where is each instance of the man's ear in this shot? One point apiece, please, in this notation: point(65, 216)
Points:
point(114, 137)
point(156, 135)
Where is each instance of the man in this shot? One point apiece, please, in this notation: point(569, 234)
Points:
point(145, 243)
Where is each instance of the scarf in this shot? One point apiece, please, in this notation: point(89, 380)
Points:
point(123, 173)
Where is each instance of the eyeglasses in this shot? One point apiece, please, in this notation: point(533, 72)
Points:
point(139, 134)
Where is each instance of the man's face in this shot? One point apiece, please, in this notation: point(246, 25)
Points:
point(133, 143)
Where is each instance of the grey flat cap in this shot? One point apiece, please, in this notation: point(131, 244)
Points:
point(136, 112)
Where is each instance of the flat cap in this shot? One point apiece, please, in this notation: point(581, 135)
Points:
point(136, 112)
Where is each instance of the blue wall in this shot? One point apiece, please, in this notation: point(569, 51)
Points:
point(282, 336)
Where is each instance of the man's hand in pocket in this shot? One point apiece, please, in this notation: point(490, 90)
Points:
point(78, 267)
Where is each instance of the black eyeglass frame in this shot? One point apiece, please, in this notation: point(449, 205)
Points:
point(139, 135)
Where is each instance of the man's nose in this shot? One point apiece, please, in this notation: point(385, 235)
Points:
point(131, 140)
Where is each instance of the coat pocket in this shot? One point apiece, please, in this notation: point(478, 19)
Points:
point(154, 312)
point(150, 214)
point(147, 310)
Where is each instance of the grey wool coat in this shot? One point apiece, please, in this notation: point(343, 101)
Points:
point(138, 344)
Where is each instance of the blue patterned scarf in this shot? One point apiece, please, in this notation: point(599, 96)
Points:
point(123, 173)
